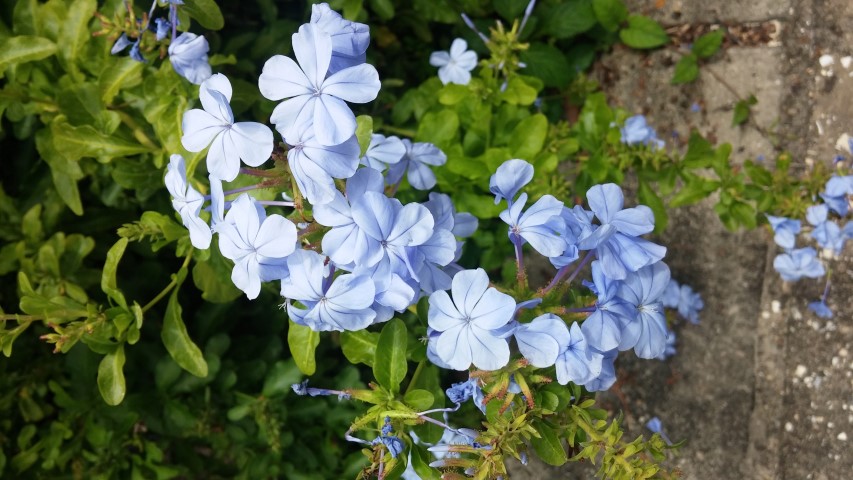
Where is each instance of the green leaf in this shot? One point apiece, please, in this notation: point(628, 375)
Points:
point(707, 45)
point(213, 278)
point(548, 63)
point(643, 33)
point(178, 342)
point(744, 213)
point(518, 92)
point(548, 446)
point(65, 172)
point(79, 142)
point(742, 110)
point(686, 70)
point(111, 382)
point(510, 9)
point(280, 377)
point(123, 72)
point(418, 399)
point(439, 127)
point(420, 464)
point(528, 137)
point(74, 32)
point(569, 18)
point(364, 131)
point(648, 197)
point(205, 12)
point(383, 8)
point(700, 152)
point(453, 93)
point(389, 364)
point(108, 277)
point(610, 13)
point(24, 48)
point(359, 346)
point(694, 190)
point(303, 342)
point(758, 174)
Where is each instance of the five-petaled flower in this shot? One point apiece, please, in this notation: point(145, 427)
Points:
point(454, 66)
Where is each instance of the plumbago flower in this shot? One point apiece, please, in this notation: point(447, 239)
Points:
point(415, 163)
point(468, 321)
point(258, 244)
point(509, 178)
point(188, 54)
point(577, 362)
point(455, 66)
point(314, 165)
point(541, 340)
point(229, 142)
point(187, 201)
point(312, 97)
point(383, 151)
point(349, 39)
point(541, 225)
point(646, 333)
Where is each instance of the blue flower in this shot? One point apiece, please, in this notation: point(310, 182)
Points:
point(616, 241)
point(541, 340)
point(187, 202)
point(188, 54)
point(415, 164)
point(314, 165)
point(311, 96)
point(462, 391)
point(466, 323)
point(646, 332)
point(383, 151)
point(821, 309)
point(392, 291)
point(338, 304)
point(671, 294)
point(802, 262)
point(785, 229)
point(689, 304)
point(827, 233)
point(541, 225)
point(163, 27)
point(607, 377)
point(393, 444)
point(655, 426)
point(670, 346)
point(602, 329)
point(836, 191)
point(637, 131)
point(257, 243)
point(229, 142)
point(509, 178)
point(136, 54)
point(121, 43)
point(577, 362)
point(349, 39)
point(455, 66)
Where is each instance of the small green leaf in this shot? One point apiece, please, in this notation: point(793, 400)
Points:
point(548, 446)
point(518, 92)
point(420, 464)
point(742, 110)
point(65, 172)
point(439, 127)
point(303, 343)
point(453, 93)
point(122, 72)
point(178, 342)
point(280, 377)
point(213, 278)
point(79, 142)
point(643, 33)
point(389, 364)
point(24, 48)
point(648, 197)
point(359, 346)
point(74, 32)
point(700, 152)
point(610, 13)
point(111, 382)
point(547, 63)
point(108, 277)
point(569, 18)
point(205, 12)
point(528, 137)
point(383, 8)
point(363, 131)
point(707, 45)
point(686, 70)
point(418, 399)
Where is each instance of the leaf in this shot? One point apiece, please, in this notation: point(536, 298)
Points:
point(359, 346)
point(178, 342)
point(420, 464)
point(418, 399)
point(707, 45)
point(74, 32)
point(700, 152)
point(303, 342)
point(686, 70)
point(439, 127)
point(389, 363)
point(205, 12)
point(548, 63)
point(610, 13)
point(643, 33)
point(528, 137)
point(510, 9)
point(123, 72)
point(742, 110)
point(65, 172)
point(569, 18)
point(24, 48)
point(548, 446)
point(213, 278)
point(111, 381)
point(648, 197)
point(383, 8)
point(108, 277)
point(363, 131)
point(518, 92)
point(280, 377)
point(79, 142)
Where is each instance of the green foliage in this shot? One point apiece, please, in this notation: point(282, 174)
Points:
point(687, 69)
point(643, 33)
point(742, 110)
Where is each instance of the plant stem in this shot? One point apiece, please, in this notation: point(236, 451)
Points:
point(415, 376)
point(170, 286)
point(399, 131)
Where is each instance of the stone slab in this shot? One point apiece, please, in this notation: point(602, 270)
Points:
point(669, 12)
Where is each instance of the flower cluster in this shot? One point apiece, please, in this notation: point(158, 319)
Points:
point(824, 229)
